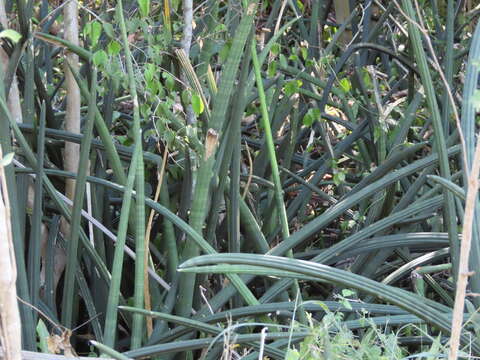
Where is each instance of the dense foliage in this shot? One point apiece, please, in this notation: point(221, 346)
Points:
point(291, 183)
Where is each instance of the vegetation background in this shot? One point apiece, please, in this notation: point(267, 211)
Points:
point(282, 179)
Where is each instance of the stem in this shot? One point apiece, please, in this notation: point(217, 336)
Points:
point(137, 326)
point(270, 144)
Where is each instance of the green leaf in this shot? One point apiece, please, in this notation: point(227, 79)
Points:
point(308, 119)
point(153, 86)
point(272, 69)
point(292, 87)
point(347, 292)
point(304, 52)
point(311, 116)
point(316, 113)
point(300, 5)
point(346, 304)
point(366, 79)
point(276, 49)
point(197, 104)
point(42, 334)
point(186, 96)
point(220, 28)
point(149, 72)
point(144, 6)
point(7, 159)
point(93, 30)
point(169, 81)
point(108, 28)
point(345, 85)
point(114, 48)
point(338, 177)
point(292, 354)
point(100, 58)
point(11, 35)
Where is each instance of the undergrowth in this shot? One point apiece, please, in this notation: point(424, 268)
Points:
point(181, 170)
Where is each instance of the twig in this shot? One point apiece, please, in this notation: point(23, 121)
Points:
point(250, 172)
point(463, 273)
point(148, 299)
point(262, 342)
point(10, 323)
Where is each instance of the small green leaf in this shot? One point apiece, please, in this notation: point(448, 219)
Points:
point(338, 177)
point(197, 104)
point(308, 119)
point(42, 334)
point(113, 48)
point(300, 5)
point(153, 86)
point(145, 110)
point(292, 87)
point(108, 28)
point(272, 69)
point(144, 6)
point(275, 49)
point(346, 304)
point(347, 292)
point(366, 79)
point(100, 58)
point(93, 30)
point(345, 85)
point(7, 159)
point(220, 28)
point(149, 72)
point(319, 303)
point(169, 81)
point(186, 97)
point(311, 116)
point(11, 35)
point(304, 52)
point(292, 354)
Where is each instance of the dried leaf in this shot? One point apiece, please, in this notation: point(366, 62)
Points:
point(210, 143)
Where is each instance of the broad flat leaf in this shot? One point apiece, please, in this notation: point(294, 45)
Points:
point(100, 58)
point(197, 104)
point(345, 85)
point(292, 354)
point(149, 72)
point(93, 30)
point(114, 47)
point(108, 28)
point(292, 87)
